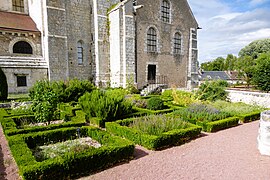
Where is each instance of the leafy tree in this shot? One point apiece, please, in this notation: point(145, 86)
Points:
point(216, 65)
point(212, 91)
point(261, 75)
point(230, 62)
point(3, 86)
point(246, 67)
point(255, 48)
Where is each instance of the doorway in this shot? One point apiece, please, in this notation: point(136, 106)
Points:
point(151, 74)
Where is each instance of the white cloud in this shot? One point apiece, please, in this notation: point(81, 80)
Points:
point(226, 31)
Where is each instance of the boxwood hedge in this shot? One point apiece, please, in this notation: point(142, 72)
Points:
point(170, 138)
point(71, 164)
point(253, 116)
point(219, 125)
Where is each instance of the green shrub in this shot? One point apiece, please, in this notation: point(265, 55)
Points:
point(155, 103)
point(76, 88)
point(212, 91)
point(71, 164)
point(109, 105)
point(158, 124)
point(169, 138)
point(201, 113)
point(236, 109)
point(253, 116)
point(3, 86)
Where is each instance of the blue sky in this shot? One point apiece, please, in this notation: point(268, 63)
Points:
point(229, 25)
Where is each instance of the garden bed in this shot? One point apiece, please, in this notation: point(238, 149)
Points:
point(154, 141)
point(22, 124)
point(69, 164)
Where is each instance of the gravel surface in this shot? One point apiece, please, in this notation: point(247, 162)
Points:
point(227, 155)
point(8, 167)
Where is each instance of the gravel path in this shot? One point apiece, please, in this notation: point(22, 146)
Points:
point(227, 155)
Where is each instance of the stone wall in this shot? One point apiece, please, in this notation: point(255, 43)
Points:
point(173, 67)
point(253, 98)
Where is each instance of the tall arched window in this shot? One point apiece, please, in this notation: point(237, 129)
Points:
point(177, 43)
point(165, 11)
point(151, 40)
point(80, 52)
point(22, 47)
point(18, 5)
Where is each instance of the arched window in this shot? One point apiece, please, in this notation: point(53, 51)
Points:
point(177, 43)
point(18, 5)
point(80, 52)
point(165, 11)
point(151, 40)
point(22, 47)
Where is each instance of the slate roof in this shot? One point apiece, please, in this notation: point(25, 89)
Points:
point(214, 75)
point(15, 21)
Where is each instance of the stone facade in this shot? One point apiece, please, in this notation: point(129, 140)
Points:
point(104, 41)
point(171, 68)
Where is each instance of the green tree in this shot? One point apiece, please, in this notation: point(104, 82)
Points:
point(230, 62)
point(255, 48)
point(261, 76)
point(212, 91)
point(216, 65)
point(246, 67)
point(3, 86)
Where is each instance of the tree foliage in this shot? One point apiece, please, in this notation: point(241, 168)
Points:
point(255, 48)
point(212, 91)
point(261, 76)
point(221, 64)
point(3, 86)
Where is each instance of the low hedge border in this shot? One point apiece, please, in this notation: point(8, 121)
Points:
point(10, 127)
point(170, 138)
point(114, 149)
point(219, 125)
point(148, 111)
point(250, 117)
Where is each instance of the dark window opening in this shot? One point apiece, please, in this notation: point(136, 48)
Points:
point(18, 5)
point(21, 81)
point(80, 52)
point(177, 43)
point(151, 40)
point(165, 11)
point(22, 47)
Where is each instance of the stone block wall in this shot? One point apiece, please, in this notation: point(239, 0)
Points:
point(173, 67)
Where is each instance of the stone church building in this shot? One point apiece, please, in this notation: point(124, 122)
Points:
point(108, 42)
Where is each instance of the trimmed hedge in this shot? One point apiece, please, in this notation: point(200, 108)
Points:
point(219, 125)
point(170, 138)
point(10, 125)
point(71, 164)
point(250, 117)
point(148, 111)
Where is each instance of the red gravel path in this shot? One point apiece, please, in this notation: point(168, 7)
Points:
point(229, 154)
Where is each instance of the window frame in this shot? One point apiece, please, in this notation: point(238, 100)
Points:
point(80, 52)
point(18, 5)
point(177, 43)
point(151, 40)
point(165, 11)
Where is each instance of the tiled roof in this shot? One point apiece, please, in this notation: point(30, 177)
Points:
point(15, 21)
point(214, 75)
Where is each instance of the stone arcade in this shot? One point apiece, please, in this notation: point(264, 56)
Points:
point(109, 42)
